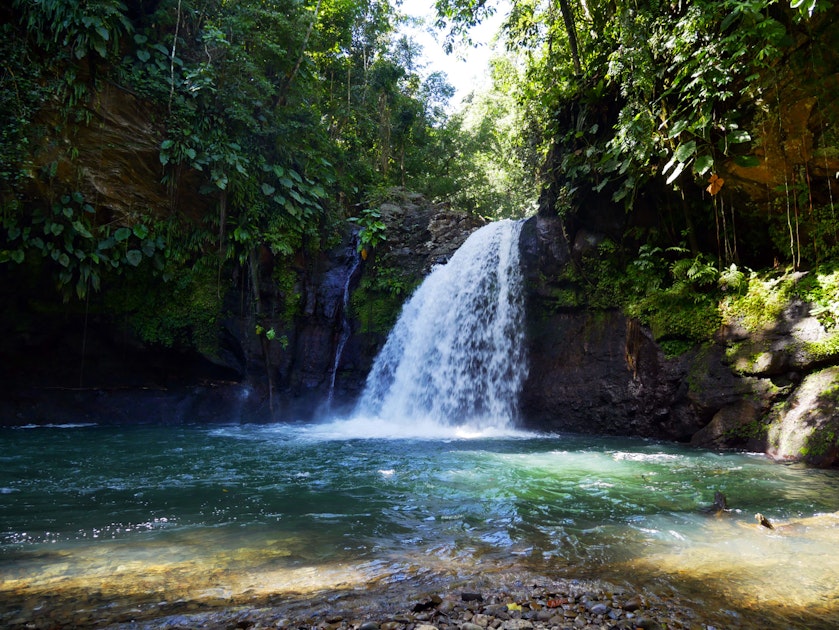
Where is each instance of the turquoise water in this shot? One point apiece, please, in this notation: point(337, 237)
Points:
point(140, 515)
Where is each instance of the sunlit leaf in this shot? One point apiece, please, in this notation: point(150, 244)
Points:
point(676, 172)
point(738, 137)
point(678, 127)
point(685, 151)
point(703, 164)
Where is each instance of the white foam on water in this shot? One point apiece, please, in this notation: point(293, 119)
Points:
point(415, 428)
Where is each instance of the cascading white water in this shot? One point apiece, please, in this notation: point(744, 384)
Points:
point(345, 326)
point(456, 355)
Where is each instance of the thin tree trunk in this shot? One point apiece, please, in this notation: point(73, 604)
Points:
point(283, 95)
point(172, 60)
point(571, 29)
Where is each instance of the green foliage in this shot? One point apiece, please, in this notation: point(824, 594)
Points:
point(75, 28)
point(286, 280)
point(487, 165)
point(676, 296)
point(373, 230)
point(80, 252)
point(662, 95)
point(286, 113)
point(820, 289)
point(184, 312)
point(825, 350)
point(680, 71)
point(675, 316)
point(762, 303)
point(377, 301)
point(679, 308)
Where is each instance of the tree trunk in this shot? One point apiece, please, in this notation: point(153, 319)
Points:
point(571, 30)
point(283, 95)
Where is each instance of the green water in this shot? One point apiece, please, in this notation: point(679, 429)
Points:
point(103, 521)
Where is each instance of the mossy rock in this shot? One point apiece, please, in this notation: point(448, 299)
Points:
point(806, 426)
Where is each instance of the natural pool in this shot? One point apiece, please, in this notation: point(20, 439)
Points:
point(101, 524)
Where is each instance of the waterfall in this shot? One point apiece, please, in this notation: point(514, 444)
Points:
point(456, 356)
point(345, 325)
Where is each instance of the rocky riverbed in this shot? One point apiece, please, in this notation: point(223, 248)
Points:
point(551, 606)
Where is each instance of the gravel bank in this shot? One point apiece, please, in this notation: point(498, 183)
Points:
point(571, 606)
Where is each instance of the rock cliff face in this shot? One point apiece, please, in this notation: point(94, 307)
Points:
point(593, 372)
point(769, 390)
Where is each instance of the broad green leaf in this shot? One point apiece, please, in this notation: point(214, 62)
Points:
point(678, 127)
point(685, 151)
point(143, 55)
point(122, 234)
point(134, 257)
point(141, 231)
point(267, 189)
point(703, 164)
point(81, 230)
point(729, 20)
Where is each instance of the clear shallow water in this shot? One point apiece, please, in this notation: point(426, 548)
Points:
point(104, 521)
